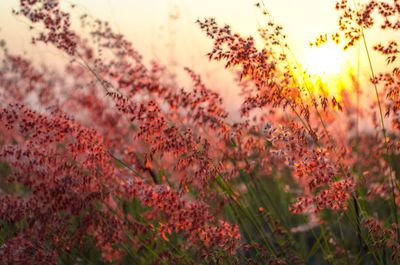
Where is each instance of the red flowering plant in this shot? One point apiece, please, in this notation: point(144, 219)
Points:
point(106, 161)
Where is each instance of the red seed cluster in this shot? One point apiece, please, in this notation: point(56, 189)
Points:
point(57, 23)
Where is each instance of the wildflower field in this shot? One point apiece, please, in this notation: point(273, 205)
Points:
point(109, 159)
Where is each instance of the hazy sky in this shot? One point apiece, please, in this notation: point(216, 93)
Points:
point(148, 24)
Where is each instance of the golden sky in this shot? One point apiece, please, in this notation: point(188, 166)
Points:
point(148, 24)
point(165, 30)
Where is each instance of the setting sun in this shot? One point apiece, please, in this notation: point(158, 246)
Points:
point(324, 60)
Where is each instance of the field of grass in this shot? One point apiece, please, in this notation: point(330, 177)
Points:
point(111, 161)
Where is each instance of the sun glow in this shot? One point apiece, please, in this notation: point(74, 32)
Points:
point(324, 60)
point(327, 70)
